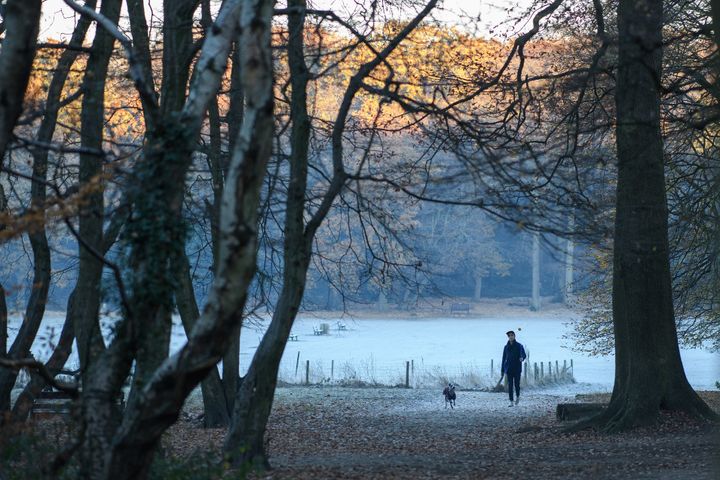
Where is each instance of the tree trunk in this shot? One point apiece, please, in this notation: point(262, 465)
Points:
point(55, 363)
point(62, 351)
point(40, 163)
point(141, 44)
point(535, 299)
point(649, 375)
point(161, 398)
point(91, 216)
point(4, 395)
point(3, 322)
point(40, 286)
point(22, 19)
point(477, 295)
point(715, 14)
point(244, 444)
point(167, 149)
point(217, 412)
point(16, 58)
point(33, 315)
point(569, 273)
point(382, 299)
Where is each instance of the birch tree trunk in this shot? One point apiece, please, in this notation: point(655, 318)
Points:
point(154, 236)
point(159, 401)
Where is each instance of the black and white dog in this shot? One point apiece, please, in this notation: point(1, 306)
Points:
point(450, 396)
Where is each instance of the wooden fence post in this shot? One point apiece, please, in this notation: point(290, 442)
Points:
point(307, 372)
point(297, 363)
point(492, 367)
point(407, 374)
point(535, 372)
point(542, 371)
point(332, 369)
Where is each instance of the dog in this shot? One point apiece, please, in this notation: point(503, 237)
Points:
point(450, 396)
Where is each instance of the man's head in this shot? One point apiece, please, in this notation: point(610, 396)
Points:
point(511, 336)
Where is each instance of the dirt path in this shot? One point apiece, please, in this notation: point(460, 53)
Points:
point(329, 433)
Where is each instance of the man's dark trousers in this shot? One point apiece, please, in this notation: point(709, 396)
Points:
point(513, 378)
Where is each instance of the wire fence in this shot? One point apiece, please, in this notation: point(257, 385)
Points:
point(417, 374)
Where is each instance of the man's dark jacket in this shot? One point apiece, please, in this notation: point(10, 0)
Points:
point(513, 356)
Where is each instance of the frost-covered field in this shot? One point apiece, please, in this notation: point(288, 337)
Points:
point(457, 349)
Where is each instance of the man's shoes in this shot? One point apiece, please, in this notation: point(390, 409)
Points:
point(517, 400)
point(511, 404)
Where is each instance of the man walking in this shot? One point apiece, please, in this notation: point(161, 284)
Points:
point(513, 356)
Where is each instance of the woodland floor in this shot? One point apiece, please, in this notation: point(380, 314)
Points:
point(386, 433)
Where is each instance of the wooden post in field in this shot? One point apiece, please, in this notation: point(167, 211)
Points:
point(412, 367)
point(332, 369)
point(535, 372)
point(557, 368)
point(297, 363)
point(525, 375)
point(492, 367)
point(407, 374)
point(572, 368)
point(550, 369)
point(542, 371)
point(307, 372)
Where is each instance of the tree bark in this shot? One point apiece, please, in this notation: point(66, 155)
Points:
point(535, 299)
point(161, 398)
point(22, 19)
point(141, 42)
point(649, 374)
point(167, 149)
point(569, 273)
point(91, 216)
point(217, 412)
point(244, 442)
point(3, 322)
point(40, 164)
point(4, 395)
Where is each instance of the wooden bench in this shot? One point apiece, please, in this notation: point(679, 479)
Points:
point(293, 338)
point(50, 403)
point(341, 326)
point(457, 308)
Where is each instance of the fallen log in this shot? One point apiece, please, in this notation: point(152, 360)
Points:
point(576, 411)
